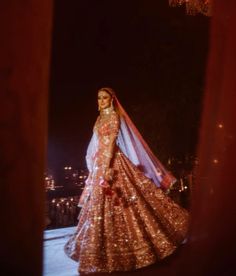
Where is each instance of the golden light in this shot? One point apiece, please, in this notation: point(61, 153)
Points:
point(194, 7)
point(215, 161)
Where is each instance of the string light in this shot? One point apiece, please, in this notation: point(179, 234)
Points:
point(215, 161)
point(194, 6)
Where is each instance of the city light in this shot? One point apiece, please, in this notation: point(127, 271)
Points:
point(49, 182)
point(68, 178)
point(62, 211)
point(67, 168)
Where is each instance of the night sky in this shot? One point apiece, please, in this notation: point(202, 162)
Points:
point(152, 55)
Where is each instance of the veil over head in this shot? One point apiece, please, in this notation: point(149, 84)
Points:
point(134, 147)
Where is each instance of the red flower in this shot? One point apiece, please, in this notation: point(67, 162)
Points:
point(108, 191)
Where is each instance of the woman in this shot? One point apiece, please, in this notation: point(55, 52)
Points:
point(126, 221)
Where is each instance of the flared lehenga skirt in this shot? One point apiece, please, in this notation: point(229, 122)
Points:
point(130, 226)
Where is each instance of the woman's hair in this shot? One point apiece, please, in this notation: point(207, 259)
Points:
point(109, 90)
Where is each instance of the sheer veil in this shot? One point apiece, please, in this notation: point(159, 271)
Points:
point(134, 147)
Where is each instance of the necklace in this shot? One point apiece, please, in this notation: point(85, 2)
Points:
point(107, 110)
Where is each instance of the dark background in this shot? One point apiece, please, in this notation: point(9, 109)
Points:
point(152, 55)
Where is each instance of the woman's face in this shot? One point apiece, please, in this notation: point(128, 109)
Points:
point(104, 100)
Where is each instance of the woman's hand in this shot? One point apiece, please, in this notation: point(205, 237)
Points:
point(109, 174)
point(106, 178)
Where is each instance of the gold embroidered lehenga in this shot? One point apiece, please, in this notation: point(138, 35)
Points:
point(129, 224)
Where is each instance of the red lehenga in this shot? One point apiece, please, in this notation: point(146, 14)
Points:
point(128, 225)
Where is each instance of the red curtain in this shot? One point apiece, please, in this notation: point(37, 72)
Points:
point(211, 246)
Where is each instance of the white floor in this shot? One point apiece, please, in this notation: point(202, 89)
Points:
point(56, 263)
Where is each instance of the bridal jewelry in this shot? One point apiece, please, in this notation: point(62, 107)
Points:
point(107, 110)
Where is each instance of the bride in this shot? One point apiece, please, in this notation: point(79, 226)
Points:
point(127, 221)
